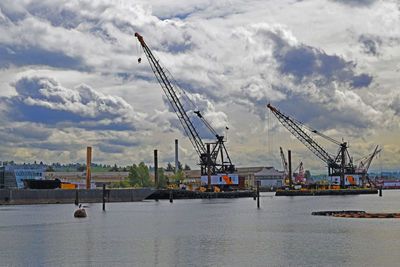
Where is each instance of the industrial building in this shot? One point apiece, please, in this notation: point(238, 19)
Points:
point(13, 176)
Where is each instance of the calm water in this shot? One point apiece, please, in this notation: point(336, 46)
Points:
point(217, 232)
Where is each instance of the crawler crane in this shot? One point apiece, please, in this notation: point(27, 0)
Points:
point(220, 163)
point(339, 165)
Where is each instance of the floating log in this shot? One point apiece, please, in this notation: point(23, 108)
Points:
point(355, 214)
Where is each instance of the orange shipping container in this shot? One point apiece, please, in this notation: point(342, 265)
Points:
point(68, 186)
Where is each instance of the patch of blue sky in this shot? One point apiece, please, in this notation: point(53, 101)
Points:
point(12, 15)
point(176, 48)
point(19, 111)
point(181, 16)
point(27, 56)
point(58, 18)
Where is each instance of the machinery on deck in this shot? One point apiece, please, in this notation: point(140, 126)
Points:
point(364, 164)
point(298, 174)
point(221, 167)
point(339, 167)
point(285, 167)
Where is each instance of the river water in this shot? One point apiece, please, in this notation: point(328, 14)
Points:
point(202, 232)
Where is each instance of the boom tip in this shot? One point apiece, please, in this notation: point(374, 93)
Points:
point(271, 107)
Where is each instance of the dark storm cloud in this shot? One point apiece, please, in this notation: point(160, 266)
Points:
point(305, 63)
point(21, 133)
point(43, 100)
point(316, 116)
point(370, 44)
point(59, 146)
point(362, 80)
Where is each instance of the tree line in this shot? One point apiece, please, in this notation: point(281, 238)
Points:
point(139, 176)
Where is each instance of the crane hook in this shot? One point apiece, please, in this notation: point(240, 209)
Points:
point(139, 60)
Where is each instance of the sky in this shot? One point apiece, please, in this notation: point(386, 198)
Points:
point(70, 78)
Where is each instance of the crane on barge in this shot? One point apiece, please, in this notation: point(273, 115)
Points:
point(338, 165)
point(220, 162)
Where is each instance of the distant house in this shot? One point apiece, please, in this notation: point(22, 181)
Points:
point(268, 176)
point(13, 176)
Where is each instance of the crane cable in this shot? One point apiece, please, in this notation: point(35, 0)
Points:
point(182, 93)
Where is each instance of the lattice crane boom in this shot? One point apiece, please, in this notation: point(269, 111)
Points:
point(340, 165)
point(284, 163)
point(220, 160)
point(295, 128)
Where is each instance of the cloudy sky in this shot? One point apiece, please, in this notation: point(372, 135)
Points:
point(70, 78)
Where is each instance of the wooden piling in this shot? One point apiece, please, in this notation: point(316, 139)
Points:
point(258, 194)
point(76, 197)
point(104, 197)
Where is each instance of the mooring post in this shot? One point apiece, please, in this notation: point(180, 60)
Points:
point(104, 197)
point(258, 194)
point(380, 190)
point(76, 197)
point(171, 196)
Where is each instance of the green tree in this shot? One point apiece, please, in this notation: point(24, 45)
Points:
point(50, 169)
point(187, 167)
point(179, 166)
point(114, 168)
point(140, 176)
point(81, 168)
point(307, 175)
point(162, 179)
point(120, 184)
point(169, 167)
point(177, 177)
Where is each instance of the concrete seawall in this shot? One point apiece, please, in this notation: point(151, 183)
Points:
point(48, 196)
point(187, 194)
